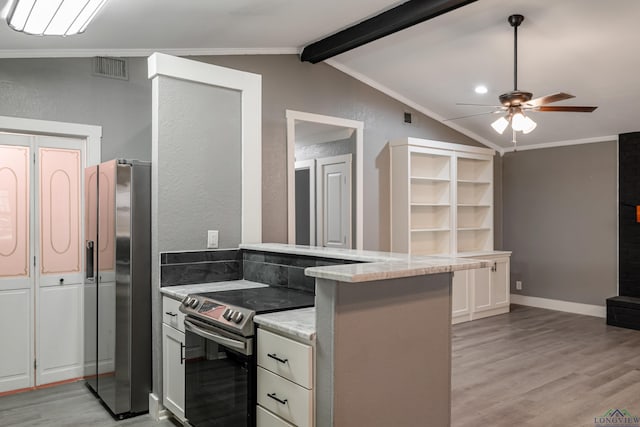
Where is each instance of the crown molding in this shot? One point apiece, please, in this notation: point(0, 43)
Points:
point(398, 97)
point(81, 53)
point(565, 143)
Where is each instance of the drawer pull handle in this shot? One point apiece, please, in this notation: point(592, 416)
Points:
point(275, 357)
point(171, 313)
point(274, 397)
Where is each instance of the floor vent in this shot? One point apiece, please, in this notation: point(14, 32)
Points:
point(113, 68)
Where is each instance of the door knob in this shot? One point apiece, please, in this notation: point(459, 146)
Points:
point(62, 281)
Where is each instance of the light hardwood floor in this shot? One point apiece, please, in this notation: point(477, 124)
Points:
point(535, 367)
point(68, 405)
point(531, 367)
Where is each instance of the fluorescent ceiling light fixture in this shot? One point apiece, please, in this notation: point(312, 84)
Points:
point(481, 89)
point(53, 17)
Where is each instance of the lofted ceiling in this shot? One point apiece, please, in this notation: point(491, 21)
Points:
point(583, 47)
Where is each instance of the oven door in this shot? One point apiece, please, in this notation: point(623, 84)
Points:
point(219, 377)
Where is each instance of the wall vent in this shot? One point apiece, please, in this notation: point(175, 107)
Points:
point(113, 68)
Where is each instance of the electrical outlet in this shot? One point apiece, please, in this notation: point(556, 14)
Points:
point(212, 239)
point(519, 285)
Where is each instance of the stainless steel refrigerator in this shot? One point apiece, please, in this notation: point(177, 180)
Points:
point(117, 286)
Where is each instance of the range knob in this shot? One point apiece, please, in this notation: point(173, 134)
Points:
point(227, 314)
point(186, 301)
point(237, 317)
point(193, 303)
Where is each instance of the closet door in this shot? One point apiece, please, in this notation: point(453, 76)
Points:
point(59, 351)
point(16, 276)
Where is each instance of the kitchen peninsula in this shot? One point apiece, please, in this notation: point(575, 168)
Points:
point(383, 336)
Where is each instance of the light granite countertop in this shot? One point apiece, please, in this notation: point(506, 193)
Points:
point(374, 265)
point(181, 291)
point(300, 323)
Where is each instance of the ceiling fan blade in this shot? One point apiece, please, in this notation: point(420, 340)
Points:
point(473, 115)
point(568, 108)
point(548, 99)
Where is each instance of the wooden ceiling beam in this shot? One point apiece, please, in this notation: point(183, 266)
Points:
point(398, 18)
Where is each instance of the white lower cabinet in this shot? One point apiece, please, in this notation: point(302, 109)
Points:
point(173, 341)
point(265, 418)
point(460, 297)
point(481, 292)
point(284, 382)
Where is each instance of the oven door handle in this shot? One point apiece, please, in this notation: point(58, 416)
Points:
point(229, 342)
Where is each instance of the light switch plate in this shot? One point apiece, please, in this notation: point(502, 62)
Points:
point(212, 239)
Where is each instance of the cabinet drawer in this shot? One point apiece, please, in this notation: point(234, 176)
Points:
point(296, 403)
point(265, 418)
point(171, 314)
point(295, 359)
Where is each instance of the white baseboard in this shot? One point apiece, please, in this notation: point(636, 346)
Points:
point(558, 305)
point(156, 410)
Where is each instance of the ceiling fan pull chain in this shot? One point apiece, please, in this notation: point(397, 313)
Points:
point(515, 142)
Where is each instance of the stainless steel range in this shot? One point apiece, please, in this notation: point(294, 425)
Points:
point(220, 365)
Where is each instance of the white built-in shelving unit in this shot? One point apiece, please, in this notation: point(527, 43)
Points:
point(441, 197)
point(442, 204)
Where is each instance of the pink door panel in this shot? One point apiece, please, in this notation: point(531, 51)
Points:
point(59, 210)
point(91, 214)
point(14, 211)
point(106, 249)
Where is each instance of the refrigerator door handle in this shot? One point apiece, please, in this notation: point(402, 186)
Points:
point(90, 271)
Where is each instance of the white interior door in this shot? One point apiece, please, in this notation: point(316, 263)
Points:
point(333, 201)
point(305, 195)
point(16, 268)
point(59, 303)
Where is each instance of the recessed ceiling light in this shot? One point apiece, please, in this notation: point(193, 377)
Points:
point(481, 89)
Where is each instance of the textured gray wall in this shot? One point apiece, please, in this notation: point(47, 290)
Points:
point(290, 84)
point(63, 89)
point(199, 165)
point(560, 219)
point(326, 149)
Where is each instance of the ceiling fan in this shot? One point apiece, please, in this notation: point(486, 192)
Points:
point(515, 103)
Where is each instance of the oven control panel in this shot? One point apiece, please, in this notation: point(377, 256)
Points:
point(236, 318)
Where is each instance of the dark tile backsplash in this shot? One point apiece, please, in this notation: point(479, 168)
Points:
point(200, 256)
point(184, 268)
point(283, 269)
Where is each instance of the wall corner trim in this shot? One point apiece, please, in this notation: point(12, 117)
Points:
point(558, 305)
point(250, 87)
point(91, 133)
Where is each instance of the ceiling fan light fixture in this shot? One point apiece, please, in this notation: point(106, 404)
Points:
point(518, 121)
point(529, 125)
point(500, 125)
point(53, 17)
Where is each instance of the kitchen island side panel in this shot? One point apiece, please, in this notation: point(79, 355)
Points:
point(389, 359)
